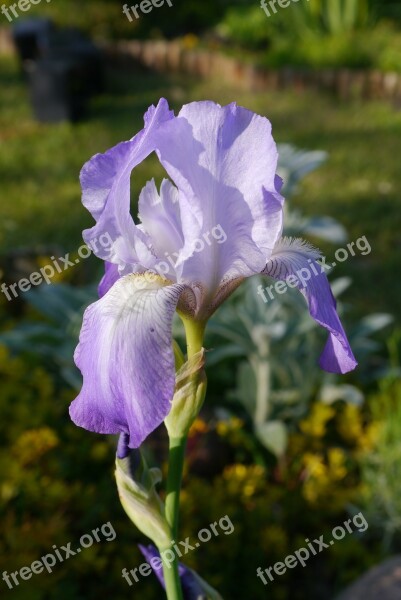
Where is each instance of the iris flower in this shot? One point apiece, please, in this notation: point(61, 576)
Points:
point(193, 587)
point(221, 163)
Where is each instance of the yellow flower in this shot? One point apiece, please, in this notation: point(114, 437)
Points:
point(225, 428)
point(315, 424)
point(199, 426)
point(337, 459)
point(245, 481)
point(34, 443)
point(314, 464)
point(349, 423)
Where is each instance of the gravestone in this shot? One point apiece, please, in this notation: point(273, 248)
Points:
point(380, 583)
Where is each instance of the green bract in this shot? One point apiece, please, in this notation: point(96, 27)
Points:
point(140, 500)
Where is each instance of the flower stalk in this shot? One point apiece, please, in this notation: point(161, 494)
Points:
point(191, 384)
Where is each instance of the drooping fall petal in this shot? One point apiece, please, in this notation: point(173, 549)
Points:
point(298, 259)
point(126, 358)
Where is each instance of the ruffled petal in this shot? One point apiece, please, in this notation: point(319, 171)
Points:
point(223, 160)
point(126, 357)
point(294, 257)
point(105, 181)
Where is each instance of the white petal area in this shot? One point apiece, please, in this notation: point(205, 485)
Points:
point(160, 217)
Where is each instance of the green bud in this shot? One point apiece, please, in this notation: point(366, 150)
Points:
point(136, 488)
point(190, 390)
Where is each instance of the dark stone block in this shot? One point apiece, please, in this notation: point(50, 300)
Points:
point(30, 37)
point(72, 44)
point(58, 89)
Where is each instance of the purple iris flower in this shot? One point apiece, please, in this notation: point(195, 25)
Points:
point(222, 161)
point(191, 586)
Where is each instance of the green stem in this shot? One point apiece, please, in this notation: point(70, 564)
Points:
point(175, 468)
point(194, 334)
point(176, 465)
point(172, 581)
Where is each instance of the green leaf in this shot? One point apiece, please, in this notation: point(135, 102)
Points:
point(274, 436)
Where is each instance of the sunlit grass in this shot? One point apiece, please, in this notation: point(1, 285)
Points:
point(360, 184)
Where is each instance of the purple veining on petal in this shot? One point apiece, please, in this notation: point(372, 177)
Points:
point(125, 355)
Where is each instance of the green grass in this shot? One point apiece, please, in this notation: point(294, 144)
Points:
point(360, 185)
point(40, 163)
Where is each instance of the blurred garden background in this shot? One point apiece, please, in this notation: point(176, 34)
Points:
point(287, 451)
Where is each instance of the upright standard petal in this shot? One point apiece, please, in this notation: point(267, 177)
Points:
point(105, 181)
point(126, 358)
point(223, 160)
point(294, 260)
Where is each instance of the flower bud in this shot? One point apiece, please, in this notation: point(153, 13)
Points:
point(136, 488)
point(190, 390)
